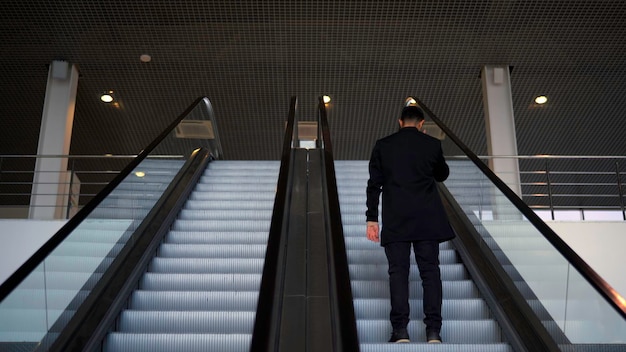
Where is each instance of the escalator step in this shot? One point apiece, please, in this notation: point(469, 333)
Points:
point(205, 237)
point(192, 214)
point(452, 309)
point(206, 265)
point(453, 332)
point(228, 204)
point(177, 342)
point(377, 256)
point(444, 347)
point(250, 180)
point(233, 187)
point(170, 250)
point(380, 289)
point(449, 272)
point(200, 282)
point(188, 322)
point(222, 225)
point(191, 300)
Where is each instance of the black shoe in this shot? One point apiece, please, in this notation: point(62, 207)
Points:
point(399, 336)
point(433, 337)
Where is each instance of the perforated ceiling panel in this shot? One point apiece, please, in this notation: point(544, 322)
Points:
point(249, 57)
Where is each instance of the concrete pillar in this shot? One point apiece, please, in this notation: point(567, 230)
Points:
point(49, 192)
point(500, 123)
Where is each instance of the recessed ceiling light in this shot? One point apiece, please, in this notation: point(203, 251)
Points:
point(326, 99)
point(107, 97)
point(542, 99)
point(140, 174)
point(145, 58)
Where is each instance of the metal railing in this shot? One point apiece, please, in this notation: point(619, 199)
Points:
point(549, 183)
point(569, 182)
point(86, 175)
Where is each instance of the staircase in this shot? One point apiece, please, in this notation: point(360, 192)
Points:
point(200, 291)
point(468, 324)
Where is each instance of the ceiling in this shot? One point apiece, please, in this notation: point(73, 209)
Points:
point(250, 57)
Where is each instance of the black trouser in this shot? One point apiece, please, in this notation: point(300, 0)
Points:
point(427, 257)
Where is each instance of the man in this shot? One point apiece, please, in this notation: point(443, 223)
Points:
point(406, 167)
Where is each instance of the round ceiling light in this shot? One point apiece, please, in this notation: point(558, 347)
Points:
point(107, 97)
point(326, 99)
point(542, 99)
point(410, 101)
point(145, 58)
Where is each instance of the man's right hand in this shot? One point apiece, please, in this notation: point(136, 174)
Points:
point(373, 231)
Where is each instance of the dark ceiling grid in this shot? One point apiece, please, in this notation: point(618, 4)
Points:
point(250, 57)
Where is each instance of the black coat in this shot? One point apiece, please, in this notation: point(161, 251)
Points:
point(406, 167)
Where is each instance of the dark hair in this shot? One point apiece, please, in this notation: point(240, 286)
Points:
point(412, 113)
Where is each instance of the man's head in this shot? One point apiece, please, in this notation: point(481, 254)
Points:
point(412, 116)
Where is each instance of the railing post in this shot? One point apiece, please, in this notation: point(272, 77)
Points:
point(549, 190)
point(69, 195)
point(619, 190)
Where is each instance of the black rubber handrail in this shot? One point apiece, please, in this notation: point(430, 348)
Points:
point(42, 253)
point(266, 331)
point(597, 282)
point(342, 309)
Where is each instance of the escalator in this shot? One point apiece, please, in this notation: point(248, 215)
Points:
point(509, 282)
point(265, 256)
point(201, 289)
point(468, 325)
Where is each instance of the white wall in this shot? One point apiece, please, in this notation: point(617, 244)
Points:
point(20, 239)
point(600, 244)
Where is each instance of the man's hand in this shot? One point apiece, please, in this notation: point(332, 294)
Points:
point(372, 231)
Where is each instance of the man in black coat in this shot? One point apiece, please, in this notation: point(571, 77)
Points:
point(406, 167)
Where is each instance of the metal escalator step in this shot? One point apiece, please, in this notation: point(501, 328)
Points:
point(229, 204)
point(207, 266)
point(204, 237)
point(233, 187)
point(452, 332)
point(452, 309)
point(245, 165)
point(177, 342)
point(221, 173)
point(192, 214)
point(380, 289)
point(212, 250)
point(444, 347)
point(189, 322)
point(239, 180)
point(377, 256)
point(229, 196)
point(200, 282)
point(193, 300)
point(449, 272)
point(355, 239)
point(222, 225)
